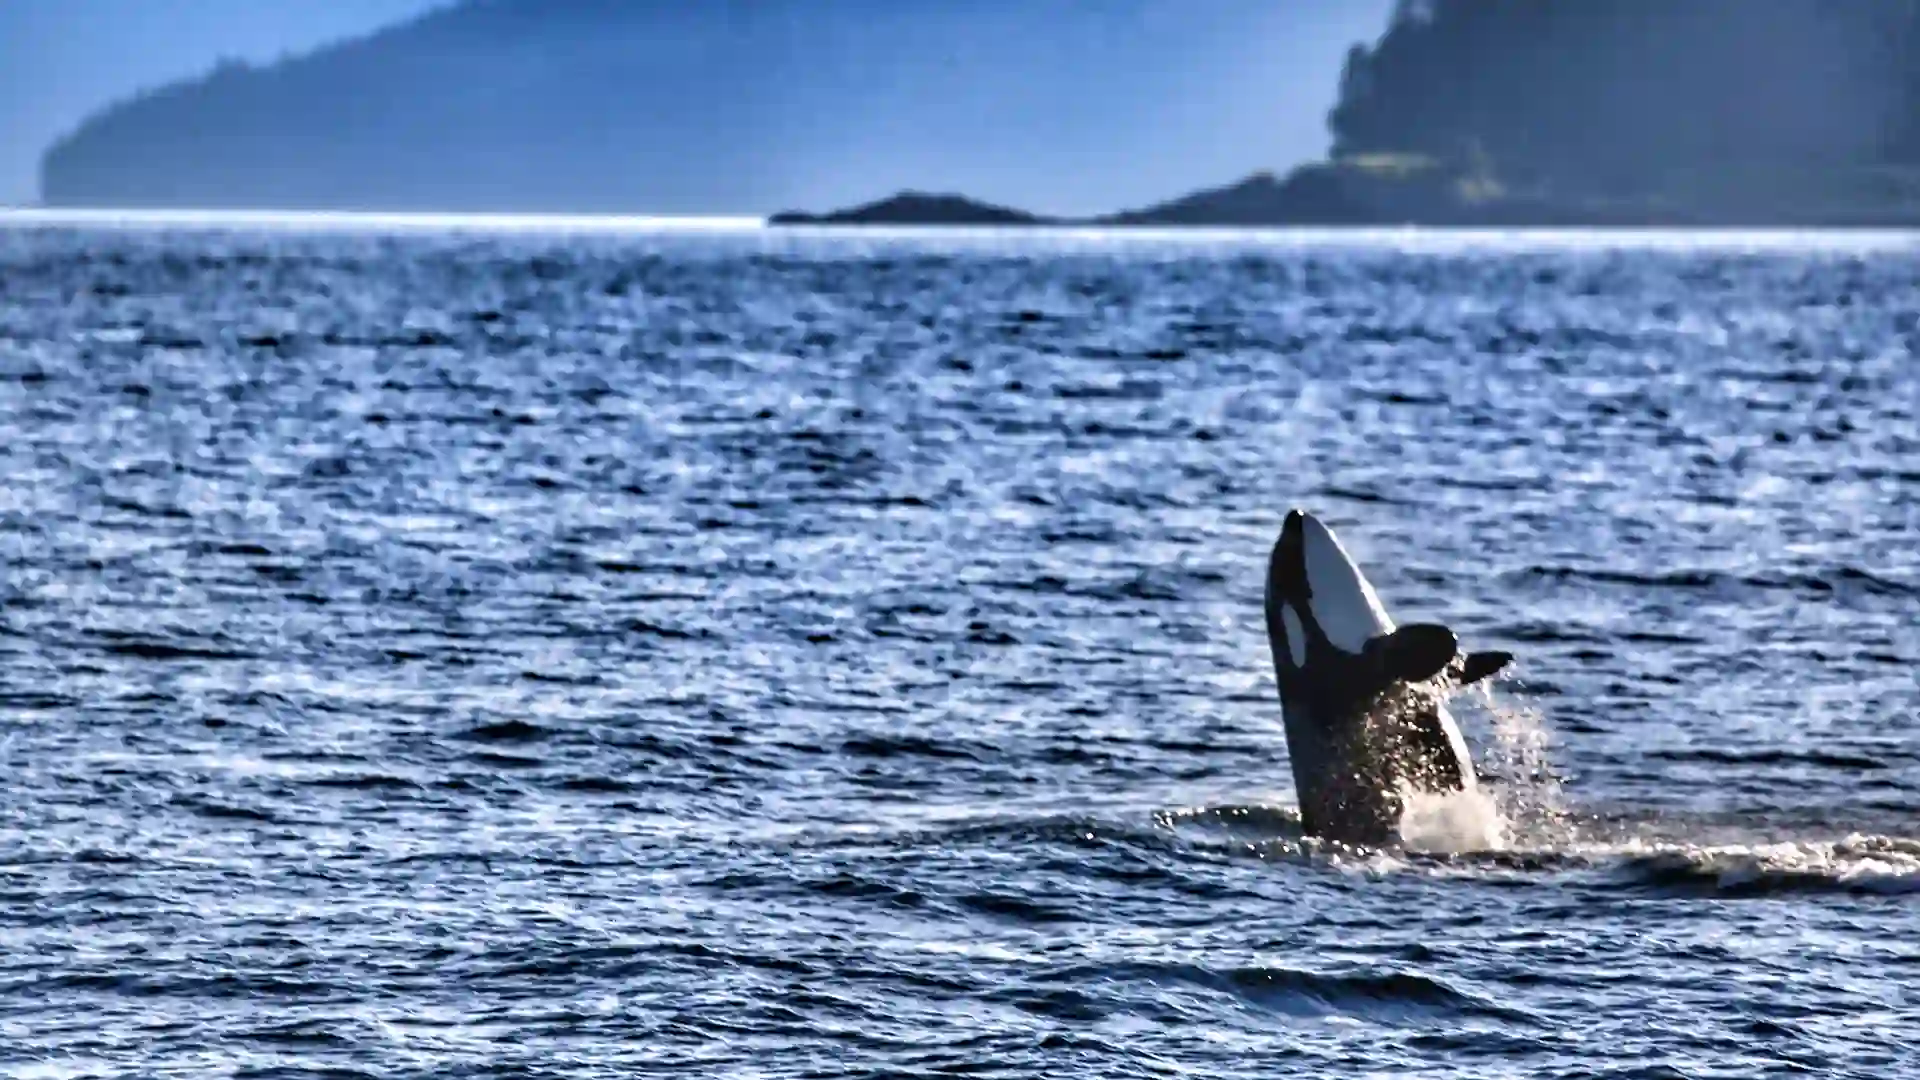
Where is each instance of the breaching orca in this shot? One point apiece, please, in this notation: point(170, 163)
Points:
point(1363, 702)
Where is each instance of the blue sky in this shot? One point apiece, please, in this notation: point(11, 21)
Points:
point(62, 59)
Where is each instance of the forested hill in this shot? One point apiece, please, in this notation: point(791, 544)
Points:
point(1707, 101)
point(1743, 112)
point(716, 106)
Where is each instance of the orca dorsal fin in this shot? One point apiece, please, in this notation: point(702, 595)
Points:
point(1415, 653)
point(1479, 665)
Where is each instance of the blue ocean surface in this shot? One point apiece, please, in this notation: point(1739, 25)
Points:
point(566, 652)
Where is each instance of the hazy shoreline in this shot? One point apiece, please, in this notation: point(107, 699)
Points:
point(557, 224)
point(1358, 195)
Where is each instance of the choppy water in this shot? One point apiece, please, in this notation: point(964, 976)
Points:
point(440, 654)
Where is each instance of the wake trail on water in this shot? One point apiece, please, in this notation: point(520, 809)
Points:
point(1520, 824)
point(1521, 820)
point(1521, 817)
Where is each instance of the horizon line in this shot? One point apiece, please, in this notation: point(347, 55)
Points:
point(485, 220)
point(1409, 235)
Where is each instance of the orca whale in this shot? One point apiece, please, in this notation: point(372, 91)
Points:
point(1364, 702)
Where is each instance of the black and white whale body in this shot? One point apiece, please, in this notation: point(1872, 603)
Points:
point(1364, 703)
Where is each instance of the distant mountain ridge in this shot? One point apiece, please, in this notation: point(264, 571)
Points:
point(715, 107)
point(1463, 112)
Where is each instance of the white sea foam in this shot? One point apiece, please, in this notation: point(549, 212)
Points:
point(1454, 822)
point(1855, 863)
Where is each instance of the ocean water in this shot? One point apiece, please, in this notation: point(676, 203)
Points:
point(453, 652)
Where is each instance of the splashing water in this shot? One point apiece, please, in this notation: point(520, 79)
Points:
point(1454, 822)
point(1524, 783)
point(1522, 806)
point(1521, 811)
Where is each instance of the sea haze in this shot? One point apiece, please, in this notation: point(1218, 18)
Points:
point(460, 651)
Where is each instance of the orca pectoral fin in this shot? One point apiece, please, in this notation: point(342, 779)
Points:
point(1416, 653)
point(1479, 665)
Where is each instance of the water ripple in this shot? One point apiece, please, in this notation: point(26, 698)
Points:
point(762, 654)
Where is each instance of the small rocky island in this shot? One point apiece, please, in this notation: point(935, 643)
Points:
point(1323, 194)
point(915, 208)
